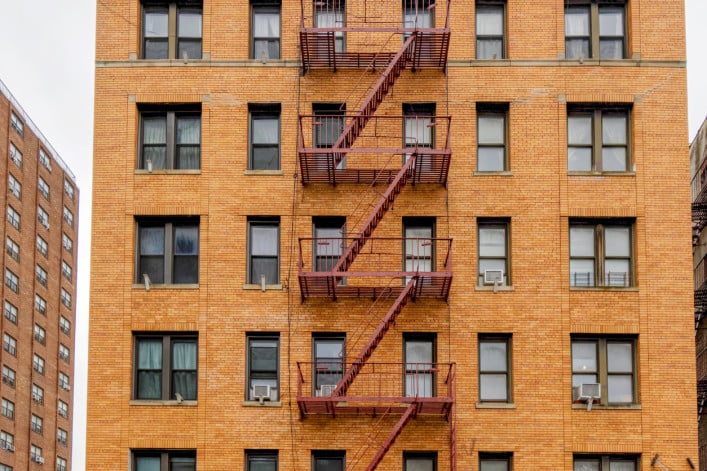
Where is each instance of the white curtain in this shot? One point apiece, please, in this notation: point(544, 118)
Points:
point(184, 369)
point(155, 141)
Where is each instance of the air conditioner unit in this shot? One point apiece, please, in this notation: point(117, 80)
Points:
point(492, 277)
point(261, 392)
point(326, 390)
point(7, 446)
point(587, 391)
point(37, 459)
point(36, 397)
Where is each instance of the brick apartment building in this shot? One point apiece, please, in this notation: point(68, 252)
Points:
point(40, 231)
point(409, 235)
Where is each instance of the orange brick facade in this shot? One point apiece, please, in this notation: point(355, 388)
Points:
point(539, 427)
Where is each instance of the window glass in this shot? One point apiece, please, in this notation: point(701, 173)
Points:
point(154, 140)
point(266, 32)
point(188, 142)
point(156, 32)
point(419, 359)
point(184, 361)
point(149, 369)
point(189, 33)
point(148, 463)
point(493, 370)
point(489, 31)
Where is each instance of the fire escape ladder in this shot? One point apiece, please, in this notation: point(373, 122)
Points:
point(384, 204)
point(403, 298)
point(370, 104)
point(410, 413)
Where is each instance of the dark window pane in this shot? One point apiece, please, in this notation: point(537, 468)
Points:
point(611, 49)
point(149, 385)
point(186, 269)
point(148, 463)
point(266, 158)
point(262, 464)
point(576, 48)
point(153, 267)
point(186, 240)
point(188, 158)
point(182, 464)
point(184, 383)
point(264, 266)
point(263, 356)
point(329, 464)
point(189, 49)
point(156, 49)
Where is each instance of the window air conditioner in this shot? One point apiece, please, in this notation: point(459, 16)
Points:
point(326, 390)
point(37, 459)
point(587, 391)
point(261, 392)
point(7, 446)
point(36, 397)
point(492, 277)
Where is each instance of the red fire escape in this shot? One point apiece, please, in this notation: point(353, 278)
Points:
point(363, 148)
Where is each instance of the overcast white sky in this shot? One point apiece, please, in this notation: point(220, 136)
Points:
point(47, 54)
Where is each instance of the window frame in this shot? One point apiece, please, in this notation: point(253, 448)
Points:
point(488, 111)
point(43, 188)
point(62, 436)
point(65, 325)
point(415, 250)
point(270, 375)
point(43, 217)
point(418, 370)
point(604, 460)
point(68, 216)
point(7, 441)
point(420, 456)
point(17, 124)
point(40, 304)
point(257, 112)
point(598, 279)
point(173, 39)
point(171, 115)
point(65, 298)
point(12, 281)
point(9, 376)
point(37, 394)
point(169, 248)
point(14, 186)
point(13, 217)
point(37, 424)
point(45, 160)
point(40, 334)
point(40, 275)
point(598, 161)
point(8, 409)
point(67, 272)
point(165, 457)
point(490, 5)
point(265, 7)
point(42, 246)
point(38, 364)
point(494, 224)
point(64, 381)
point(69, 189)
point(332, 370)
point(62, 408)
point(256, 222)
point(339, 455)
point(15, 155)
point(594, 38)
point(64, 353)
point(67, 243)
point(9, 344)
point(10, 311)
point(602, 372)
point(505, 457)
point(507, 341)
point(12, 248)
point(167, 370)
point(263, 456)
point(326, 248)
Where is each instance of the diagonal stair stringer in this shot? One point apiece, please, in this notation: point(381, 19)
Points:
point(410, 413)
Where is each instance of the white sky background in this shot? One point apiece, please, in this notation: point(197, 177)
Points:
point(47, 51)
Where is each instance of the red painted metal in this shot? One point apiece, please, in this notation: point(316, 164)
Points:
point(409, 414)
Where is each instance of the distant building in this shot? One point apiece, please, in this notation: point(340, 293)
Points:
point(419, 235)
point(40, 230)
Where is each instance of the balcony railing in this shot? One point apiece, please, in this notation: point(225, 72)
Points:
point(701, 275)
point(384, 264)
point(378, 388)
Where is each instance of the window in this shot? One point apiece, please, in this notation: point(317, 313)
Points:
point(490, 27)
point(491, 132)
point(329, 243)
point(44, 160)
point(64, 353)
point(495, 461)
point(419, 126)
point(261, 460)
point(65, 325)
point(597, 139)
point(414, 461)
point(40, 335)
point(7, 441)
point(65, 298)
point(67, 243)
point(43, 217)
point(264, 137)
point(8, 409)
point(12, 249)
point(37, 394)
point(62, 437)
point(605, 463)
point(166, 366)
point(38, 364)
point(416, 14)
point(40, 304)
point(601, 253)
point(493, 252)
point(69, 189)
point(17, 124)
point(60, 464)
point(13, 217)
point(168, 250)
point(37, 424)
point(4, 467)
point(329, 360)
point(332, 14)
point(66, 271)
point(263, 364)
point(8, 376)
point(494, 368)
point(64, 382)
point(419, 235)
point(42, 246)
point(171, 30)
point(62, 408)
point(263, 250)
point(11, 312)
point(170, 138)
point(595, 29)
point(156, 460)
point(328, 460)
point(15, 155)
point(9, 344)
point(68, 216)
point(609, 361)
point(41, 275)
point(265, 30)
point(43, 187)
point(328, 123)
point(35, 454)
point(14, 186)
point(11, 281)
point(419, 351)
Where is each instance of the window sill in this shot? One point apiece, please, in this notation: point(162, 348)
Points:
point(603, 288)
point(500, 173)
point(157, 402)
point(495, 405)
point(263, 172)
point(142, 171)
point(259, 288)
point(494, 288)
point(263, 404)
point(166, 286)
point(601, 174)
point(607, 407)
